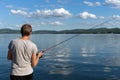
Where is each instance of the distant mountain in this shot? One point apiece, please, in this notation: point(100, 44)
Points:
point(7, 30)
point(92, 31)
point(74, 31)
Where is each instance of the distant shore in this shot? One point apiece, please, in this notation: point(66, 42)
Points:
point(74, 31)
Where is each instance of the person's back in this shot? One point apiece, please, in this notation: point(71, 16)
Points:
point(22, 53)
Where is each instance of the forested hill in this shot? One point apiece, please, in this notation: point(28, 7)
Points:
point(74, 31)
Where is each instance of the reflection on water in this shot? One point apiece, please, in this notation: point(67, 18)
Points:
point(85, 51)
point(107, 69)
point(60, 58)
point(86, 57)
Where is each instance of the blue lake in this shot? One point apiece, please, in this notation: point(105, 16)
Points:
point(86, 57)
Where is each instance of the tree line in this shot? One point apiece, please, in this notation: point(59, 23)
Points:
point(74, 31)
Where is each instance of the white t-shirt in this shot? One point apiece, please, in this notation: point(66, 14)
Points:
point(22, 51)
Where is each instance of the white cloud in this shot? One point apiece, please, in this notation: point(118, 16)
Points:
point(56, 23)
point(116, 17)
point(114, 21)
point(86, 15)
point(92, 4)
point(47, 23)
point(61, 12)
point(52, 23)
point(19, 12)
point(113, 3)
point(101, 17)
point(88, 3)
point(97, 3)
point(50, 13)
point(112, 24)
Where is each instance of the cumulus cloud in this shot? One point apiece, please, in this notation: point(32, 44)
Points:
point(86, 15)
point(113, 3)
point(50, 13)
point(19, 12)
point(61, 12)
point(92, 4)
point(116, 17)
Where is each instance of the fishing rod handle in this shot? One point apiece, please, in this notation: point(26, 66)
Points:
point(42, 51)
point(39, 52)
point(39, 57)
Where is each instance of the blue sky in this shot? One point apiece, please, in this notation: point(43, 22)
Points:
point(59, 14)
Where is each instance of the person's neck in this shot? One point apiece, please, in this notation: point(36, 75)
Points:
point(25, 37)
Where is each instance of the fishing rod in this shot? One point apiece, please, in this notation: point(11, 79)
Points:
point(60, 43)
point(53, 46)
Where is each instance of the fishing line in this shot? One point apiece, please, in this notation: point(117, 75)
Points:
point(55, 45)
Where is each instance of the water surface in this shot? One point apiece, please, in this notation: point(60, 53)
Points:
point(86, 57)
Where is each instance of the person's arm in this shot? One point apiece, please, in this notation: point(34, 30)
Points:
point(9, 55)
point(35, 58)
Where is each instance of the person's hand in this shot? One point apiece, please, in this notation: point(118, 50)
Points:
point(40, 54)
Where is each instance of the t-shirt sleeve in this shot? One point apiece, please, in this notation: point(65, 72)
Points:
point(10, 45)
point(35, 49)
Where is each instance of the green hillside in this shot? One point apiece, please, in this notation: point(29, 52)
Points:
point(74, 31)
